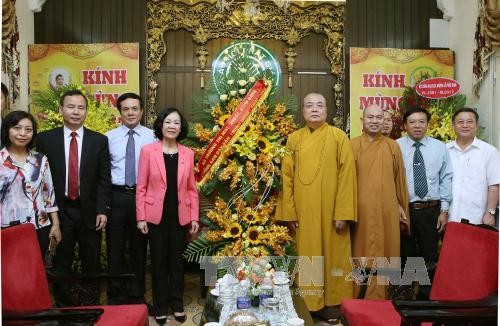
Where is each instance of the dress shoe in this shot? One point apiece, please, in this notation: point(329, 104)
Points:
point(181, 319)
point(161, 320)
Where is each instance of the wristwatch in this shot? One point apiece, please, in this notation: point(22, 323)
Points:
point(492, 211)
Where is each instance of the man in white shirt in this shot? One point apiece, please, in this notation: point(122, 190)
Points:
point(476, 172)
point(125, 143)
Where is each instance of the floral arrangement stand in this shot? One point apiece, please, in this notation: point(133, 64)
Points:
point(441, 110)
point(244, 179)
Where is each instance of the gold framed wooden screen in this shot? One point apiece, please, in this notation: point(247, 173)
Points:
point(205, 21)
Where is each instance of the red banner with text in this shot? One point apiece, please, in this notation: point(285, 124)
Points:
point(231, 130)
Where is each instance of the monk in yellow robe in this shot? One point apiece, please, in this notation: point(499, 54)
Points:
point(382, 197)
point(318, 199)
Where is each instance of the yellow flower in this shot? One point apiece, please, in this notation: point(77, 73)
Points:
point(202, 133)
point(222, 119)
point(249, 128)
point(269, 126)
point(233, 230)
point(214, 236)
point(252, 217)
point(264, 144)
point(253, 235)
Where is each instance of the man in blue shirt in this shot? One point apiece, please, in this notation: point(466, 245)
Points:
point(125, 143)
point(429, 176)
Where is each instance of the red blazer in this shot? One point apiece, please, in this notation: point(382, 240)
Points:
point(152, 185)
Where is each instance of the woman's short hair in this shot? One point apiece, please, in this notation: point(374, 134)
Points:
point(11, 120)
point(158, 124)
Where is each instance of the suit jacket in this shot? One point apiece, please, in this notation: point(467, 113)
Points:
point(152, 185)
point(95, 171)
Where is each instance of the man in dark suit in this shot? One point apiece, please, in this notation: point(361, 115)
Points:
point(80, 164)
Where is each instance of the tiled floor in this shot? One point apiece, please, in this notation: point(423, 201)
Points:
point(193, 303)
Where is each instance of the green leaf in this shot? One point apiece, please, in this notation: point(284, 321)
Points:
point(205, 221)
point(201, 247)
point(460, 101)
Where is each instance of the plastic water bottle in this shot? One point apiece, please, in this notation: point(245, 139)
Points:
point(242, 298)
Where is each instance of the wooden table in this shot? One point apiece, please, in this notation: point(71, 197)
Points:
point(211, 310)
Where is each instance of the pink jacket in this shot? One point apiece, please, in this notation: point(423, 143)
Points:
point(152, 185)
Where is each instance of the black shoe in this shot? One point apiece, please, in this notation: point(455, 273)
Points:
point(181, 319)
point(161, 320)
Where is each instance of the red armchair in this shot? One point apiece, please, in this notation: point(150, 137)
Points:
point(25, 293)
point(464, 289)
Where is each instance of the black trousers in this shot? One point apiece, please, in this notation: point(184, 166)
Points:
point(89, 243)
point(126, 249)
point(43, 239)
point(423, 241)
point(168, 242)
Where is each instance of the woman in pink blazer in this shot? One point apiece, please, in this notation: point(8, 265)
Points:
point(167, 207)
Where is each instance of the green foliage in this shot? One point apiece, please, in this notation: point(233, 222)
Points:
point(441, 110)
point(199, 248)
point(101, 117)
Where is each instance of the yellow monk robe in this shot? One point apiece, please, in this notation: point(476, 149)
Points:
point(381, 189)
point(319, 187)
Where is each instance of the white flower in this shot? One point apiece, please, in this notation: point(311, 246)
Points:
point(242, 91)
point(242, 82)
point(260, 228)
point(251, 79)
point(234, 217)
point(216, 128)
point(233, 93)
point(268, 266)
point(223, 97)
point(230, 82)
point(243, 70)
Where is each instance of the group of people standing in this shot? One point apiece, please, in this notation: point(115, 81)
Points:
point(366, 197)
point(136, 183)
point(373, 197)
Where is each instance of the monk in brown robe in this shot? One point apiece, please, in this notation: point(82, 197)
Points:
point(318, 200)
point(382, 197)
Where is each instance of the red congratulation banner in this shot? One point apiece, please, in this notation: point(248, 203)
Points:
point(438, 87)
point(228, 134)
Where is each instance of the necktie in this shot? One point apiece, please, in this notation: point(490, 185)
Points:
point(73, 168)
point(419, 176)
point(130, 160)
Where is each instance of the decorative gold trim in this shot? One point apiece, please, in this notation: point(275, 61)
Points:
point(205, 21)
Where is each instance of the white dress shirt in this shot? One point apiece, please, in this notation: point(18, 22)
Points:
point(474, 169)
point(67, 141)
point(437, 168)
point(117, 139)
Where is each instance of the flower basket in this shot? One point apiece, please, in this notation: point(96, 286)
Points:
point(441, 110)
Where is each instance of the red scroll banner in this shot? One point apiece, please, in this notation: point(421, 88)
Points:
point(230, 132)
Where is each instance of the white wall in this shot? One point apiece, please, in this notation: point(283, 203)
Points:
point(26, 23)
point(462, 29)
point(496, 101)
